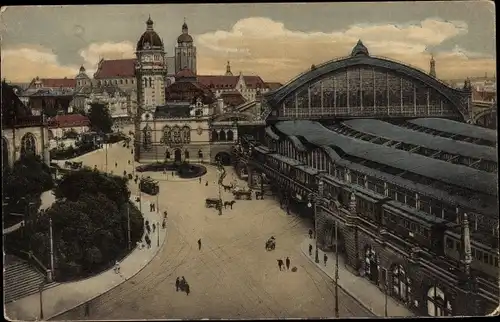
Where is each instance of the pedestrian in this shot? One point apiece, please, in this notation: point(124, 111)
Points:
point(172, 173)
point(117, 267)
point(280, 263)
point(165, 214)
point(116, 164)
point(148, 229)
point(177, 284)
point(124, 172)
point(287, 262)
point(310, 249)
point(310, 233)
point(183, 283)
point(199, 244)
point(164, 224)
point(154, 228)
point(128, 161)
point(199, 179)
point(325, 258)
point(154, 207)
point(187, 289)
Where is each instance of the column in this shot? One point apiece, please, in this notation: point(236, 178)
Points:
point(347, 90)
point(296, 105)
point(414, 99)
point(360, 91)
point(428, 101)
point(334, 93)
point(401, 94)
point(387, 89)
point(374, 91)
point(322, 103)
point(309, 99)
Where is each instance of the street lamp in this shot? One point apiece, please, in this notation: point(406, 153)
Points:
point(219, 165)
point(337, 271)
point(158, 229)
point(313, 198)
point(40, 287)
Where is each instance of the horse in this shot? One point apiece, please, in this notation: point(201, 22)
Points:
point(227, 188)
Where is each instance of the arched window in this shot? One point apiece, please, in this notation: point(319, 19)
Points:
point(222, 135)
point(121, 81)
point(230, 135)
point(215, 136)
point(401, 284)
point(437, 303)
point(28, 145)
point(126, 81)
point(150, 82)
point(167, 155)
point(186, 133)
point(186, 155)
point(147, 138)
point(166, 135)
point(200, 154)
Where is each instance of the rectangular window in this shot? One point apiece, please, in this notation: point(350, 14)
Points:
point(496, 261)
point(458, 245)
point(485, 258)
point(413, 227)
point(479, 255)
point(449, 243)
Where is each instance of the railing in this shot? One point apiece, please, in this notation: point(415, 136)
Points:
point(38, 264)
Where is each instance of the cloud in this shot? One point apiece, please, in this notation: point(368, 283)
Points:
point(262, 46)
point(25, 62)
point(267, 48)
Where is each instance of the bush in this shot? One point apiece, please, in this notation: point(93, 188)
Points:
point(89, 221)
point(71, 134)
point(71, 152)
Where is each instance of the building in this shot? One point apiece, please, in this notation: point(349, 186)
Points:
point(52, 101)
point(414, 195)
point(248, 86)
point(22, 132)
point(60, 124)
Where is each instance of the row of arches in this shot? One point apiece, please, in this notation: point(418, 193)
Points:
point(400, 286)
point(28, 147)
point(222, 135)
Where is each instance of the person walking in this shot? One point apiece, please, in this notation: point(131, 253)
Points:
point(199, 244)
point(183, 283)
point(177, 284)
point(206, 184)
point(116, 164)
point(117, 267)
point(154, 228)
point(200, 180)
point(128, 161)
point(280, 263)
point(325, 258)
point(310, 233)
point(287, 262)
point(164, 223)
point(187, 289)
point(310, 249)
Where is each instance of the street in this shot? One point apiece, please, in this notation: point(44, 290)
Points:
point(232, 276)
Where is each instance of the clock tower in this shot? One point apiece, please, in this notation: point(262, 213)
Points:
point(150, 73)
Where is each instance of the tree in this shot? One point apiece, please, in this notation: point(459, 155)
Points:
point(100, 118)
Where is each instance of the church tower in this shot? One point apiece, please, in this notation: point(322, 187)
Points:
point(185, 52)
point(150, 70)
point(228, 70)
point(432, 64)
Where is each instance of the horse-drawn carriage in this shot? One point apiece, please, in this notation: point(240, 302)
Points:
point(238, 194)
point(270, 244)
point(213, 202)
point(149, 186)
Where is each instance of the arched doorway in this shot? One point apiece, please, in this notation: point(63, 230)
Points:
point(222, 135)
point(223, 157)
point(230, 135)
point(178, 155)
point(5, 153)
point(371, 264)
point(28, 145)
point(438, 303)
point(401, 284)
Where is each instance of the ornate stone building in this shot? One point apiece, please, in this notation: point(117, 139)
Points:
point(414, 196)
point(22, 132)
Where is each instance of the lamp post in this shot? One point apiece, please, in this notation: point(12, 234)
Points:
point(337, 272)
point(385, 295)
point(128, 227)
point(314, 199)
point(158, 226)
point(40, 287)
point(157, 202)
point(51, 240)
point(219, 165)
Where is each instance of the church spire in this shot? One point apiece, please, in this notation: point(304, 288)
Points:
point(184, 27)
point(228, 70)
point(432, 64)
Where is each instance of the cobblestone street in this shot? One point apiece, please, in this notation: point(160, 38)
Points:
point(232, 276)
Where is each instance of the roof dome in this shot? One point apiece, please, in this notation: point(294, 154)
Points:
point(149, 39)
point(185, 36)
point(82, 69)
point(360, 49)
point(185, 73)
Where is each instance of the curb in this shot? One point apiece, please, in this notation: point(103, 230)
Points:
point(367, 307)
point(114, 286)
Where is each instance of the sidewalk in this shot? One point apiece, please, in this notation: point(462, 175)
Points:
point(66, 296)
point(369, 295)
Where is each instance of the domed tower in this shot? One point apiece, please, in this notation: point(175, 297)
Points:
point(185, 52)
point(150, 70)
point(82, 79)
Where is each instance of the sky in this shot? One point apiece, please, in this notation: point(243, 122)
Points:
point(275, 41)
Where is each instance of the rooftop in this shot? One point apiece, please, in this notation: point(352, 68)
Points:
point(457, 128)
point(454, 174)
